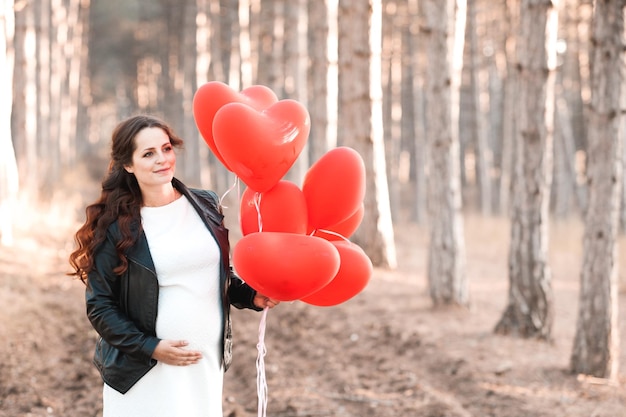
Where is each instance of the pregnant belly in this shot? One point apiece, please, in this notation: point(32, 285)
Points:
point(186, 315)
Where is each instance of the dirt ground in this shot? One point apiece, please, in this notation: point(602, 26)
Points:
point(385, 353)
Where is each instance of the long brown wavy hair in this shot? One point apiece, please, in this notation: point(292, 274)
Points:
point(120, 199)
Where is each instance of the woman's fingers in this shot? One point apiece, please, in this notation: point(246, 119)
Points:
point(172, 352)
point(263, 301)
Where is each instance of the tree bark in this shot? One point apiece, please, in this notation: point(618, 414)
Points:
point(44, 31)
point(245, 46)
point(224, 51)
point(419, 157)
point(391, 73)
point(596, 343)
point(195, 149)
point(204, 25)
point(443, 31)
point(71, 47)
point(85, 100)
point(530, 307)
point(9, 181)
point(360, 120)
point(24, 113)
point(295, 85)
point(565, 150)
point(271, 46)
point(227, 39)
point(319, 66)
point(509, 110)
point(479, 110)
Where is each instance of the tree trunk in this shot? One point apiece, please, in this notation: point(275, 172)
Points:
point(582, 49)
point(295, 85)
point(407, 106)
point(443, 33)
point(271, 46)
point(71, 35)
point(84, 92)
point(195, 148)
point(530, 307)
point(204, 25)
point(596, 344)
point(71, 101)
point(8, 166)
point(43, 17)
point(570, 122)
point(56, 148)
point(228, 17)
point(170, 57)
point(24, 113)
point(419, 158)
point(319, 66)
point(220, 14)
point(360, 120)
point(509, 109)
point(216, 70)
point(231, 42)
point(391, 72)
point(565, 151)
point(245, 47)
point(479, 109)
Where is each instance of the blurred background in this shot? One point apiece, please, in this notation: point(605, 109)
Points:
point(82, 65)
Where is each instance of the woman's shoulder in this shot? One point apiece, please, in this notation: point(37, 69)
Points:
point(208, 198)
point(205, 194)
point(202, 196)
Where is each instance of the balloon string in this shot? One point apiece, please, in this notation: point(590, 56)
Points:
point(261, 382)
point(257, 205)
point(330, 232)
point(232, 187)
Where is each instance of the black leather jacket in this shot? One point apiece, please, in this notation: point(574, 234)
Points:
point(123, 308)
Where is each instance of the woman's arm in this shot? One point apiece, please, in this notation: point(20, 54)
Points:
point(103, 307)
point(241, 295)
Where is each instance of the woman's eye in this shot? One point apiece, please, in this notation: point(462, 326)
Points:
point(147, 154)
point(167, 148)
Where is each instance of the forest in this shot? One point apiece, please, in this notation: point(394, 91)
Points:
point(492, 135)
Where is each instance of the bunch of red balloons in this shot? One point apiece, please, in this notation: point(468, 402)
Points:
point(295, 240)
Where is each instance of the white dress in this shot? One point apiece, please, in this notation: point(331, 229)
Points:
point(187, 262)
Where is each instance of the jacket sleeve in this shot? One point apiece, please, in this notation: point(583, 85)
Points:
point(240, 294)
point(103, 307)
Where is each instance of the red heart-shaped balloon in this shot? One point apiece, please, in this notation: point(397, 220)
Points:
point(354, 273)
point(285, 266)
point(261, 146)
point(341, 230)
point(281, 209)
point(334, 187)
point(211, 96)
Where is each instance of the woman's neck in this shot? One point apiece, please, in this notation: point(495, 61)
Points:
point(160, 196)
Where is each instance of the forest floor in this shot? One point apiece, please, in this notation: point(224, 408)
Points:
point(385, 353)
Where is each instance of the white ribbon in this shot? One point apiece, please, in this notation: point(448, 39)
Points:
point(261, 382)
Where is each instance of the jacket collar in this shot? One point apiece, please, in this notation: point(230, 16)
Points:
point(206, 203)
point(206, 206)
point(199, 200)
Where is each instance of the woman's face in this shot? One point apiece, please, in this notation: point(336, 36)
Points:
point(154, 160)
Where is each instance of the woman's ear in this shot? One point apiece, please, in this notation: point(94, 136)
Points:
point(128, 169)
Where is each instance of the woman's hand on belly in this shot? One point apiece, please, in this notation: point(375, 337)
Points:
point(172, 352)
